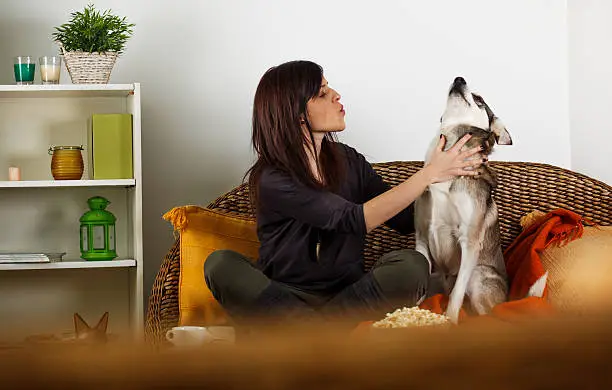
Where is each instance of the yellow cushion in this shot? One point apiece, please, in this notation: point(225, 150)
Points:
point(579, 272)
point(203, 231)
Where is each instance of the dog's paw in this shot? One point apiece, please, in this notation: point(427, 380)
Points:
point(453, 315)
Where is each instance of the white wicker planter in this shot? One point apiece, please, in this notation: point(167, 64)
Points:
point(89, 68)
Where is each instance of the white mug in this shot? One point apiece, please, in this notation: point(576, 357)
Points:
point(222, 333)
point(194, 336)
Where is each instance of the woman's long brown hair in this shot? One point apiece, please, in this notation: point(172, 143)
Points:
point(278, 138)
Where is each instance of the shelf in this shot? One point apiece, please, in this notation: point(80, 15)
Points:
point(67, 183)
point(66, 90)
point(76, 264)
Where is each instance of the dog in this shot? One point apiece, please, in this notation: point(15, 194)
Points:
point(457, 227)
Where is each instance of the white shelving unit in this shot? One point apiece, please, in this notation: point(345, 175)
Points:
point(40, 214)
point(69, 265)
point(68, 183)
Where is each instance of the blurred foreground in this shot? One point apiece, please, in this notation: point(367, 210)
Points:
point(565, 351)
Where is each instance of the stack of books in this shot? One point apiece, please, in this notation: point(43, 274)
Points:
point(10, 258)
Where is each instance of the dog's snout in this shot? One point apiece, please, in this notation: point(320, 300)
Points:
point(459, 81)
point(458, 87)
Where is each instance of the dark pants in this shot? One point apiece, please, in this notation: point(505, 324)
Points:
point(398, 279)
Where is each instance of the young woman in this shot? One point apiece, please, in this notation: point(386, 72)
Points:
point(315, 200)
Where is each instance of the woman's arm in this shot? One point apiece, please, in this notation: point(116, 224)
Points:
point(385, 206)
point(442, 166)
point(374, 185)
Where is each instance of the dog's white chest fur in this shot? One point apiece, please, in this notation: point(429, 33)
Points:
point(451, 213)
point(451, 208)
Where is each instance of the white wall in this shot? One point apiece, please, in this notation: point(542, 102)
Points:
point(590, 83)
point(199, 63)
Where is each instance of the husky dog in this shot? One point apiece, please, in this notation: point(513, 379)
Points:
point(457, 226)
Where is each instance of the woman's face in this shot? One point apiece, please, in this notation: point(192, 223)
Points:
point(325, 112)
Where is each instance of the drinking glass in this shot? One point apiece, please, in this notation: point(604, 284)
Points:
point(24, 68)
point(50, 69)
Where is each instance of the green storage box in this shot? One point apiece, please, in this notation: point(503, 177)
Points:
point(111, 146)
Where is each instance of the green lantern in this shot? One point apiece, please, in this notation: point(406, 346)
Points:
point(98, 231)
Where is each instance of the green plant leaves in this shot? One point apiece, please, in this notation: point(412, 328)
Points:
point(92, 31)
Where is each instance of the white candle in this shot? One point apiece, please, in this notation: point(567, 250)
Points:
point(14, 174)
point(50, 73)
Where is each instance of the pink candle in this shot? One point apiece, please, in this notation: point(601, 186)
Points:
point(14, 174)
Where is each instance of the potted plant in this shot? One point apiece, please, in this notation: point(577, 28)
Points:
point(90, 43)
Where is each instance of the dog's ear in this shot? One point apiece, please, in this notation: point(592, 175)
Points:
point(497, 127)
point(103, 323)
point(80, 326)
point(501, 133)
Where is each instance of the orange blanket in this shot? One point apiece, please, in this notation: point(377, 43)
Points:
point(522, 257)
point(525, 309)
point(524, 268)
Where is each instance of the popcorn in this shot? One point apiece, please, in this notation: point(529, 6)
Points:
point(413, 316)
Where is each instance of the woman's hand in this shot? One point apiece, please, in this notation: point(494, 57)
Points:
point(445, 165)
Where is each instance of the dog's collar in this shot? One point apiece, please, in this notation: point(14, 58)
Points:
point(480, 129)
point(445, 131)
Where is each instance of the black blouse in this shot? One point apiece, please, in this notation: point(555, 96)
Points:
point(313, 239)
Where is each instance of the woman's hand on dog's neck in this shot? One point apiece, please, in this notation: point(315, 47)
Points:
point(446, 165)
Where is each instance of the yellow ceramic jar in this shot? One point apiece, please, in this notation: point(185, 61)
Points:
point(67, 162)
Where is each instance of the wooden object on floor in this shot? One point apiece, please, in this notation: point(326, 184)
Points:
point(561, 354)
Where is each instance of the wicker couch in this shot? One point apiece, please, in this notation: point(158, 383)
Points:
point(522, 188)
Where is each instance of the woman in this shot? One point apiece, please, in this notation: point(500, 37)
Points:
point(315, 200)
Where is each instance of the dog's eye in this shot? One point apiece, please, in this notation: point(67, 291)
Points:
point(478, 99)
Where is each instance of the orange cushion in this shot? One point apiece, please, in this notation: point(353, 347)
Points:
point(202, 231)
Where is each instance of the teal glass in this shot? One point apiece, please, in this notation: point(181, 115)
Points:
point(25, 68)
